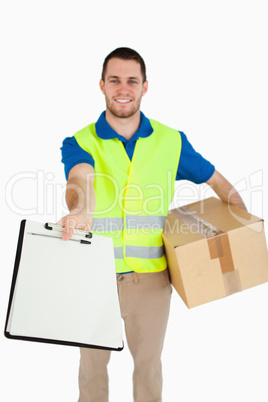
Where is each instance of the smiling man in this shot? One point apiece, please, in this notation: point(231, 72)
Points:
point(113, 168)
point(123, 85)
point(123, 89)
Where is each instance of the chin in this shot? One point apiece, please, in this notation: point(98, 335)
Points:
point(124, 114)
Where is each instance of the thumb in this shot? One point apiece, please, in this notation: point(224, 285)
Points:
point(68, 227)
point(67, 233)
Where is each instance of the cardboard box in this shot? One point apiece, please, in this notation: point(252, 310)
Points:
point(214, 250)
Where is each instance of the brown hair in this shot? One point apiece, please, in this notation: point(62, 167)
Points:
point(124, 53)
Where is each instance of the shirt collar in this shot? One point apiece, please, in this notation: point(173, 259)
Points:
point(105, 131)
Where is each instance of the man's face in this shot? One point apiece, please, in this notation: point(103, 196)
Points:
point(123, 87)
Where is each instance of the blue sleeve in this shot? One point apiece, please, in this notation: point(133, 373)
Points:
point(73, 154)
point(192, 165)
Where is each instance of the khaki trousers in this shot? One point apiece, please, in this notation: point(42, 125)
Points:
point(144, 302)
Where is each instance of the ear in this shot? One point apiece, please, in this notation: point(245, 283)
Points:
point(144, 88)
point(102, 86)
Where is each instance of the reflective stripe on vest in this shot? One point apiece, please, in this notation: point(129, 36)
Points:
point(132, 198)
point(144, 252)
point(139, 252)
point(132, 222)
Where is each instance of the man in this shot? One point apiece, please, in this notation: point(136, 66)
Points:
point(119, 170)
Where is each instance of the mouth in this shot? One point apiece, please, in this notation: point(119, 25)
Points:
point(123, 101)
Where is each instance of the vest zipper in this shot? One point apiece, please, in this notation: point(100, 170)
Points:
point(124, 216)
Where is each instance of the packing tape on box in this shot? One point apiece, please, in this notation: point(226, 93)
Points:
point(218, 244)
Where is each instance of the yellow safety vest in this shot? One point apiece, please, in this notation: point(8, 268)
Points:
point(133, 197)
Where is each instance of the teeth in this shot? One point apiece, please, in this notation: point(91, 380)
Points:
point(122, 100)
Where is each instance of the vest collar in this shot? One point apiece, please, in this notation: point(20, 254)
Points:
point(105, 131)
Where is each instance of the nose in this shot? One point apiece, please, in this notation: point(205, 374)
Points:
point(123, 88)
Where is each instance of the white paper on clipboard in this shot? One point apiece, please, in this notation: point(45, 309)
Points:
point(64, 292)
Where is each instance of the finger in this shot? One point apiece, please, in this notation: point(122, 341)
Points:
point(61, 222)
point(81, 226)
point(68, 230)
point(67, 234)
point(88, 227)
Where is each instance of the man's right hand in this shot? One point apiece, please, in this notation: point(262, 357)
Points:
point(80, 221)
point(81, 200)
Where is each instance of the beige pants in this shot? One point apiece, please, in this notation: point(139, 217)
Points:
point(144, 302)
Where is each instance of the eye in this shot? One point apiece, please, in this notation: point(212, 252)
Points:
point(133, 82)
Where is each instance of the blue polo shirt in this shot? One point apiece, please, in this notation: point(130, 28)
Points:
point(192, 166)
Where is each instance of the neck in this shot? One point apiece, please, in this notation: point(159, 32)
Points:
point(126, 127)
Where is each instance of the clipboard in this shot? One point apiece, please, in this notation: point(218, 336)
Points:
point(64, 291)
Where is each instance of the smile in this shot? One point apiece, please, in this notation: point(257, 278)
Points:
point(123, 100)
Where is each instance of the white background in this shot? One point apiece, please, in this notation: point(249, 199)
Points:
point(207, 69)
